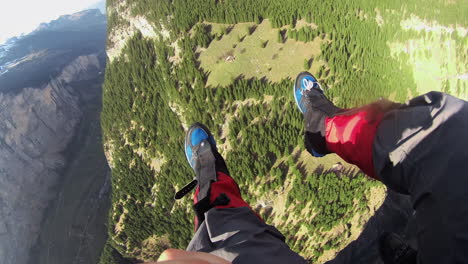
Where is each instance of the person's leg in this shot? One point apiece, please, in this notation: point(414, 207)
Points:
point(418, 148)
point(225, 225)
point(421, 149)
point(330, 129)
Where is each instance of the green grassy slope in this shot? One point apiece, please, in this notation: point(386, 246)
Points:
point(158, 86)
point(258, 54)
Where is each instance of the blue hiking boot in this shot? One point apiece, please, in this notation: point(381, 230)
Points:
point(315, 107)
point(198, 136)
point(204, 158)
point(305, 82)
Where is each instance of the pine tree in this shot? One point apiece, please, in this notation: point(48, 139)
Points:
point(306, 64)
point(280, 36)
point(248, 30)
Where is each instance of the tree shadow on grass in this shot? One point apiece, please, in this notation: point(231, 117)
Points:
point(252, 29)
point(229, 29)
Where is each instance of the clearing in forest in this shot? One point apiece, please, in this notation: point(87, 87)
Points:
point(259, 54)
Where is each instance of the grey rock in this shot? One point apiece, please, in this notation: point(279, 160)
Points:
point(37, 125)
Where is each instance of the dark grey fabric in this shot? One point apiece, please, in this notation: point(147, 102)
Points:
point(238, 235)
point(204, 168)
point(421, 149)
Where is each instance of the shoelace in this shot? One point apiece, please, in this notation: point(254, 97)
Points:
point(309, 85)
point(324, 107)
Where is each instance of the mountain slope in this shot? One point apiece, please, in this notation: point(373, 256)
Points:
point(230, 65)
point(42, 103)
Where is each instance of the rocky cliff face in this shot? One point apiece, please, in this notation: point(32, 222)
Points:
point(37, 123)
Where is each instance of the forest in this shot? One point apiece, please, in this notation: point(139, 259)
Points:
point(150, 98)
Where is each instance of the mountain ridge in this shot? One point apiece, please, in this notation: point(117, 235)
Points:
point(84, 18)
point(59, 41)
point(50, 84)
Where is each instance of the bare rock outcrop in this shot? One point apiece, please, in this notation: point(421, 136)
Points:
point(37, 124)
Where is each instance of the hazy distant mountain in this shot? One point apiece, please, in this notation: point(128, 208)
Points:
point(100, 5)
point(75, 22)
point(35, 58)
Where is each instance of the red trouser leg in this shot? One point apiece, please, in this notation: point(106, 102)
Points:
point(351, 135)
point(225, 184)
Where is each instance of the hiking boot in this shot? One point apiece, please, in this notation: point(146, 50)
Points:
point(204, 158)
point(198, 137)
point(315, 107)
point(393, 250)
